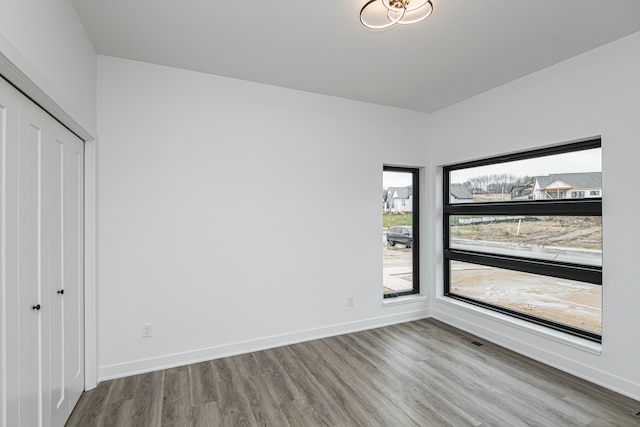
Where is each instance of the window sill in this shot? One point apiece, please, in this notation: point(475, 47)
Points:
point(560, 337)
point(407, 299)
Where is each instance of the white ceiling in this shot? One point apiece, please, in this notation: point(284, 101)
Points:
point(464, 48)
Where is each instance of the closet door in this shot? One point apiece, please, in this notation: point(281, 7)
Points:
point(60, 174)
point(42, 265)
point(62, 225)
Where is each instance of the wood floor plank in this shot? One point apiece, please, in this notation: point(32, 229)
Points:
point(147, 399)
point(121, 389)
point(363, 376)
point(429, 396)
point(273, 379)
point(301, 413)
point(176, 405)
point(234, 402)
point(388, 394)
point(118, 414)
point(207, 415)
point(408, 391)
point(91, 406)
point(315, 403)
point(358, 411)
point(204, 384)
point(421, 373)
point(483, 388)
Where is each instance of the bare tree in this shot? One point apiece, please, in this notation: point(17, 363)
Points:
point(495, 183)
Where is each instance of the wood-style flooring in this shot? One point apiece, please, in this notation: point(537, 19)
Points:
point(421, 373)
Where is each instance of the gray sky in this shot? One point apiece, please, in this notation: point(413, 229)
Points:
point(395, 179)
point(577, 161)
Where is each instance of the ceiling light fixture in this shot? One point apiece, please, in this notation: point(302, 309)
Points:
point(380, 14)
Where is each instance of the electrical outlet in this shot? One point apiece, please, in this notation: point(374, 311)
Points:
point(351, 300)
point(146, 330)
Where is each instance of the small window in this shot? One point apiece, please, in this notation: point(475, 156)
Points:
point(521, 238)
point(400, 231)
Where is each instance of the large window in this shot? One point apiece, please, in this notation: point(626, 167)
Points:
point(523, 236)
point(400, 231)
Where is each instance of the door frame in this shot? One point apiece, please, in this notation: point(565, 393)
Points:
point(18, 71)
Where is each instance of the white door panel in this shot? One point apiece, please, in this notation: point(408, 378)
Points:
point(31, 305)
point(52, 225)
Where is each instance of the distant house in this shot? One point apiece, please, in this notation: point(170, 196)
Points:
point(560, 186)
point(522, 192)
point(458, 193)
point(398, 199)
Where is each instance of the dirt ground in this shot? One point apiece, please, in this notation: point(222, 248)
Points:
point(569, 232)
point(571, 303)
point(564, 301)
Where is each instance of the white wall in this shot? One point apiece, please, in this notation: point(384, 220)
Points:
point(235, 216)
point(46, 41)
point(596, 93)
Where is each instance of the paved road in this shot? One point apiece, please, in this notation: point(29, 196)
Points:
point(397, 266)
point(547, 253)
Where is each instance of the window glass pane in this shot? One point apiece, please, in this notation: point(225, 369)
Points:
point(397, 231)
point(573, 175)
point(563, 301)
point(573, 239)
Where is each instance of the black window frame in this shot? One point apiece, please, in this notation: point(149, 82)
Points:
point(415, 225)
point(560, 207)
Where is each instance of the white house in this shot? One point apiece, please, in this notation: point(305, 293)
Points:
point(165, 144)
point(399, 199)
point(568, 186)
point(561, 186)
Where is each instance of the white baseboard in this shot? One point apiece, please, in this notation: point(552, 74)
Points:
point(194, 356)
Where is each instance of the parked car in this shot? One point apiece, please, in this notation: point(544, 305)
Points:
point(401, 234)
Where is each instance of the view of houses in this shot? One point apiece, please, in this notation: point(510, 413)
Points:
point(553, 186)
point(397, 199)
point(560, 186)
point(460, 193)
